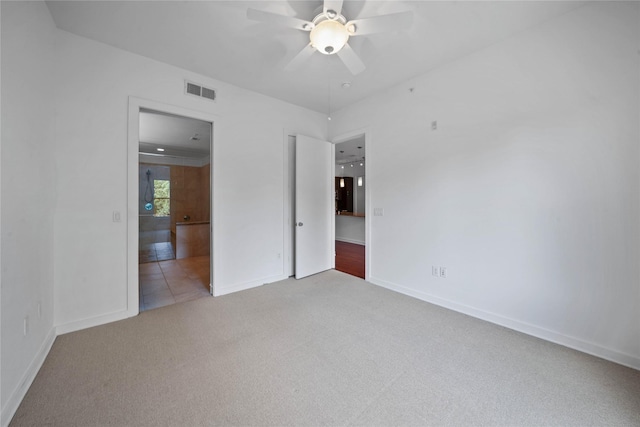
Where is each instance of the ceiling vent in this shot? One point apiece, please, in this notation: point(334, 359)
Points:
point(198, 90)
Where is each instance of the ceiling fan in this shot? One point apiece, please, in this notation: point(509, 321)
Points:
point(329, 31)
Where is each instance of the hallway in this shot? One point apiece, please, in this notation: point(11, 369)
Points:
point(350, 258)
point(168, 282)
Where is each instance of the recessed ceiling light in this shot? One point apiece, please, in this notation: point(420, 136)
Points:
point(346, 85)
point(160, 149)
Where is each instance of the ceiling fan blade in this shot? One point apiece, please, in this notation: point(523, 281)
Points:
point(351, 60)
point(302, 56)
point(380, 24)
point(335, 5)
point(274, 18)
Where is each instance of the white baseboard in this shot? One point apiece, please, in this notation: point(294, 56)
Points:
point(14, 400)
point(219, 291)
point(517, 325)
point(90, 322)
point(347, 240)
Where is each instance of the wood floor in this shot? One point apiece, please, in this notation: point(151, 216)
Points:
point(350, 258)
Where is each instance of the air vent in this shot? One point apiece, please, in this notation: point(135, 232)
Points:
point(193, 89)
point(208, 93)
point(198, 90)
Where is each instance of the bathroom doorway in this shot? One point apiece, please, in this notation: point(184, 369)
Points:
point(174, 208)
point(350, 206)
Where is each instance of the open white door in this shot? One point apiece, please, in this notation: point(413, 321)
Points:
point(314, 206)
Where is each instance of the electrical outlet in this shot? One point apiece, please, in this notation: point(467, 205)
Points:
point(378, 212)
point(435, 271)
point(434, 125)
point(443, 272)
point(116, 216)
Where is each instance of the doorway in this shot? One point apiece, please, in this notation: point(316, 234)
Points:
point(350, 206)
point(350, 243)
point(173, 207)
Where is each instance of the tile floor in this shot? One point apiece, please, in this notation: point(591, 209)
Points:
point(168, 282)
point(150, 252)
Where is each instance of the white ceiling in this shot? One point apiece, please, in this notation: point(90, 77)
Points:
point(178, 136)
point(214, 38)
point(352, 154)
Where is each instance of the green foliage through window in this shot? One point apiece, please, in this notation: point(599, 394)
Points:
point(162, 197)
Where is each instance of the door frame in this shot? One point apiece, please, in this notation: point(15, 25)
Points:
point(289, 156)
point(133, 144)
point(367, 192)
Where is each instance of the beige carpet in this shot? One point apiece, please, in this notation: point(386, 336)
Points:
point(326, 350)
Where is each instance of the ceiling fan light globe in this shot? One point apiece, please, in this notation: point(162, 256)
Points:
point(328, 37)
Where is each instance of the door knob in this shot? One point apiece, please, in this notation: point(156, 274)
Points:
point(300, 224)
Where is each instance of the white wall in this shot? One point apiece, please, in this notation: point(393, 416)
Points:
point(350, 229)
point(28, 177)
point(528, 191)
point(93, 84)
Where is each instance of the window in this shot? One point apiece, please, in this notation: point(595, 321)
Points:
point(161, 197)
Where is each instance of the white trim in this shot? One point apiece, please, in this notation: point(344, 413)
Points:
point(15, 398)
point(332, 212)
point(287, 248)
point(135, 104)
point(248, 285)
point(90, 322)
point(517, 325)
point(355, 242)
point(172, 160)
point(2, 423)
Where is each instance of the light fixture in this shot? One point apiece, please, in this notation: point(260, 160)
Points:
point(359, 181)
point(342, 166)
point(351, 164)
point(329, 36)
point(160, 149)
